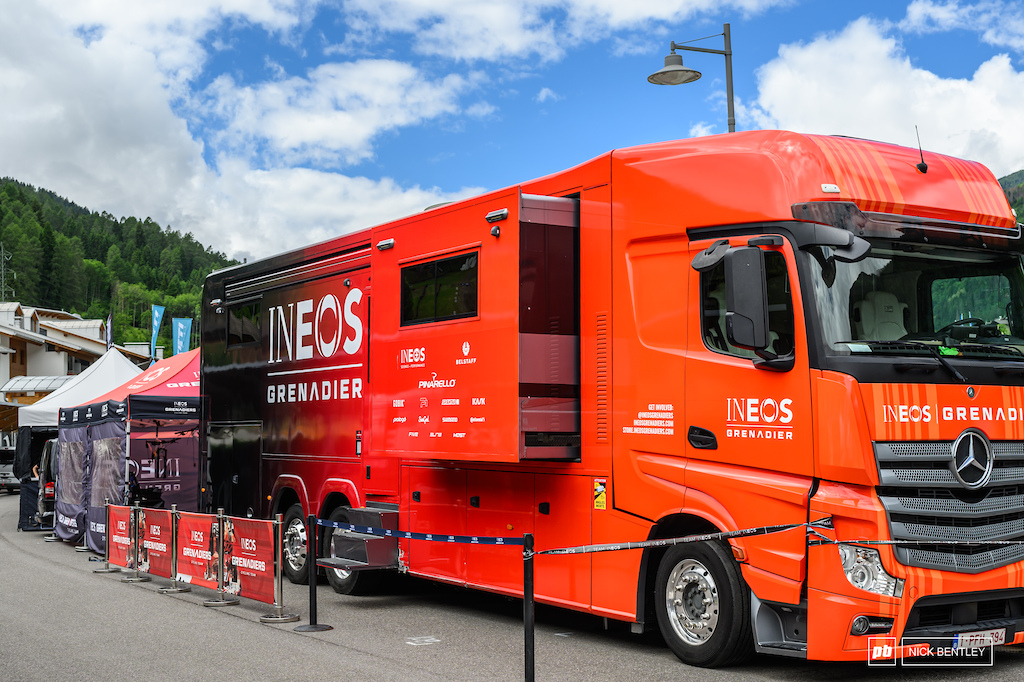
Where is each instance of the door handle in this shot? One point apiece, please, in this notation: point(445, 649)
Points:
point(474, 501)
point(702, 439)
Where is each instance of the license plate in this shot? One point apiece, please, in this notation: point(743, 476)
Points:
point(970, 640)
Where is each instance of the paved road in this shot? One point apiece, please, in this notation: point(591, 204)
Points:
point(60, 621)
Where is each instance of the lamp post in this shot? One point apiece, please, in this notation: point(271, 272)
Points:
point(674, 73)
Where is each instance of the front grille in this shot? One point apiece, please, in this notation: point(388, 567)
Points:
point(925, 502)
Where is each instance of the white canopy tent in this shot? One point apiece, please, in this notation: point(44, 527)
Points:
point(106, 374)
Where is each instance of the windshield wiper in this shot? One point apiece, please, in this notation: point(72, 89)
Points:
point(931, 349)
point(938, 356)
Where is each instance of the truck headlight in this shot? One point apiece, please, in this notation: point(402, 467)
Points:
point(864, 570)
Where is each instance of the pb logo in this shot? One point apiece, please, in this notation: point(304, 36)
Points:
point(882, 651)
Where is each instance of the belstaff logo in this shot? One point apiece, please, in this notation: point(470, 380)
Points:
point(465, 348)
point(972, 459)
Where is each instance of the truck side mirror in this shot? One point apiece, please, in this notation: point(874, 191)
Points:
point(746, 298)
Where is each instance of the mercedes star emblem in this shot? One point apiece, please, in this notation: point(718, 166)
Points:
point(972, 459)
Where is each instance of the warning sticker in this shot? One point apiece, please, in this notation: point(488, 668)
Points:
point(600, 494)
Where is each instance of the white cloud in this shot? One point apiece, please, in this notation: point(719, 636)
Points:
point(859, 82)
point(547, 95)
point(702, 129)
point(171, 30)
point(92, 122)
point(262, 212)
point(999, 23)
point(481, 110)
point(332, 115)
point(544, 29)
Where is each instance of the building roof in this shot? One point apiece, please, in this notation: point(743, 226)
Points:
point(25, 384)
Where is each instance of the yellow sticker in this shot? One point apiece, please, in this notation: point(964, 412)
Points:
point(600, 493)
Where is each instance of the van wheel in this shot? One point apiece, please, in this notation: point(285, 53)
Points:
point(703, 605)
point(346, 582)
point(294, 546)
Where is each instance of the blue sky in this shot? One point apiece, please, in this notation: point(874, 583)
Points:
point(265, 125)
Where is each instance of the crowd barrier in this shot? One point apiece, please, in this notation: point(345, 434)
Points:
point(230, 555)
point(526, 541)
point(237, 557)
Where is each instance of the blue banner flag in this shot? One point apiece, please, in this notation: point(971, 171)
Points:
point(158, 316)
point(182, 327)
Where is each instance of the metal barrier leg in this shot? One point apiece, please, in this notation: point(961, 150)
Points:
point(135, 550)
point(528, 606)
point(107, 568)
point(178, 586)
point(311, 557)
point(279, 616)
point(223, 599)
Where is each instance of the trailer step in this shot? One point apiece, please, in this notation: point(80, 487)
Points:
point(363, 550)
point(351, 564)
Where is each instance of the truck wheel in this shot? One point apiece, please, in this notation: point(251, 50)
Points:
point(346, 582)
point(703, 605)
point(294, 549)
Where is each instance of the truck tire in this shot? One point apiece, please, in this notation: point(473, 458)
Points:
point(346, 582)
point(295, 546)
point(703, 605)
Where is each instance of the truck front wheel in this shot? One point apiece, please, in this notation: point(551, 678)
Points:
point(295, 545)
point(703, 605)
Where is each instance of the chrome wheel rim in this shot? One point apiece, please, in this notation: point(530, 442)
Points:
point(692, 601)
point(295, 545)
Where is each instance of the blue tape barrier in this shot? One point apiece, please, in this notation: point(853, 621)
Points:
point(433, 537)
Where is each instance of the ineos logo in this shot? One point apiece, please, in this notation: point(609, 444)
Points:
point(972, 459)
point(760, 411)
point(328, 326)
point(409, 355)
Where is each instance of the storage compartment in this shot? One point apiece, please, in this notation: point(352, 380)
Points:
point(475, 333)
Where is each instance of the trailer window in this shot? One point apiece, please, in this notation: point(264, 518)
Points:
point(780, 309)
point(444, 289)
point(244, 324)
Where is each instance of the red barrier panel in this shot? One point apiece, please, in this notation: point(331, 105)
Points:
point(121, 529)
point(197, 549)
point(249, 558)
point(157, 547)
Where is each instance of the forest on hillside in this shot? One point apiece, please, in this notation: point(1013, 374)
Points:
point(66, 257)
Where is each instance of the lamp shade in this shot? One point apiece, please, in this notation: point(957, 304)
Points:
point(674, 73)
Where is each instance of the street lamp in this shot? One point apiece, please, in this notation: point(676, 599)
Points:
point(674, 73)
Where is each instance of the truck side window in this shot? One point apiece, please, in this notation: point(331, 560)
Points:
point(244, 324)
point(444, 289)
point(780, 309)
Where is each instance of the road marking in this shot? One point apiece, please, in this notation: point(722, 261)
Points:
point(422, 641)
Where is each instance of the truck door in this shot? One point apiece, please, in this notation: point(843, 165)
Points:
point(748, 422)
point(233, 451)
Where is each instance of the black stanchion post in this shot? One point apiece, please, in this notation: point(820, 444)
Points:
point(528, 605)
point(311, 557)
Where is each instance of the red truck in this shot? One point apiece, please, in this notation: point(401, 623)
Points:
point(697, 336)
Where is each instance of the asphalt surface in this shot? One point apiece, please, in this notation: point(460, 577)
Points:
point(61, 621)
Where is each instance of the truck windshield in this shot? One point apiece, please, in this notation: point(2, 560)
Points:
point(918, 299)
